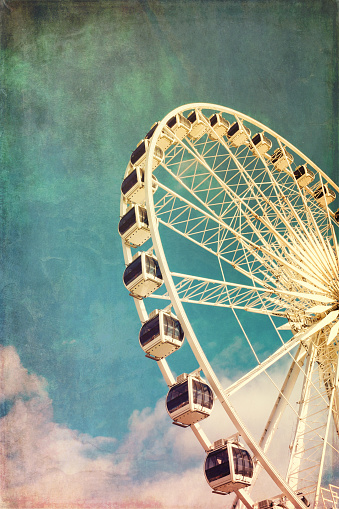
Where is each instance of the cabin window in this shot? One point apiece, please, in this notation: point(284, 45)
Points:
point(299, 172)
point(184, 121)
point(151, 131)
point(172, 328)
point(217, 465)
point(127, 221)
point(202, 394)
point(132, 271)
point(143, 215)
point(172, 121)
point(152, 267)
point(177, 397)
point(149, 330)
point(320, 192)
point(256, 139)
point(233, 129)
point(192, 117)
point(138, 152)
point(213, 119)
point(130, 181)
point(242, 462)
point(158, 152)
point(277, 155)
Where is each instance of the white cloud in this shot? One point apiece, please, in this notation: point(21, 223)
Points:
point(186, 490)
point(44, 464)
point(15, 379)
point(157, 465)
point(45, 461)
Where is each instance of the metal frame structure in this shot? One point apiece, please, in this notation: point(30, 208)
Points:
point(249, 212)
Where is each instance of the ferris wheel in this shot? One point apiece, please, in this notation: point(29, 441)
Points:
point(210, 183)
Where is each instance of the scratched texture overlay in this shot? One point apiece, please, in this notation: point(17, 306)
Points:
point(82, 417)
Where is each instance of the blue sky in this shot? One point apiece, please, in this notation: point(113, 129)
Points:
point(82, 84)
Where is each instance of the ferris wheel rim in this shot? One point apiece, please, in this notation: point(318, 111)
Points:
point(180, 312)
point(157, 244)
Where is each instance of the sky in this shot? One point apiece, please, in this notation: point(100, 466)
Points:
point(83, 421)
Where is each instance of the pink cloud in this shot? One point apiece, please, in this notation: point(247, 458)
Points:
point(44, 464)
point(15, 379)
point(48, 463)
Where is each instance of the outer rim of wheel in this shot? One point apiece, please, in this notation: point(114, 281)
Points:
point(175, 300)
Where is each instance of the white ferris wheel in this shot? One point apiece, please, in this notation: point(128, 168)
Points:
point(223, 185)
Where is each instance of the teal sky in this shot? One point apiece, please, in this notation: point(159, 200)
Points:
point(81, 83)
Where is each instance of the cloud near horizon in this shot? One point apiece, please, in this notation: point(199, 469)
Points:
point(15, 379)
point(45, 464)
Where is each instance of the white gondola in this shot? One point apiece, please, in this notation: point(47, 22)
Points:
point(165, 139)
point(266, 504)
point(133, 186)
point(270, 504)
point(190, 400)
point(324, 195)
point(238, 134)
point(142, 276)
point(220, 126)
point(260, 144)
point(281, 159)
point(303, 175)
point(138, 157)
point(180, 126)
point(161, 335)
point(199, 124)
point(228, 466)
point(304, 499)
point(280, 502)
point(133, 226)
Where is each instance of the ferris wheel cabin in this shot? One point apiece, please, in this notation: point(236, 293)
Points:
point(303, 175)
point(270, 504)
point(238, 134)
point(324, 195)
point(199, 124)
point(281, 159)
point(165, 139)
point(228, 466)
point(180, 126)
point(133, 226)
point(277, 502)
point(219, 126)
point(138, 157)
point(133, 186)
point(190, 400)
point(161, 335)
point(142, 276)
point(260, 144)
